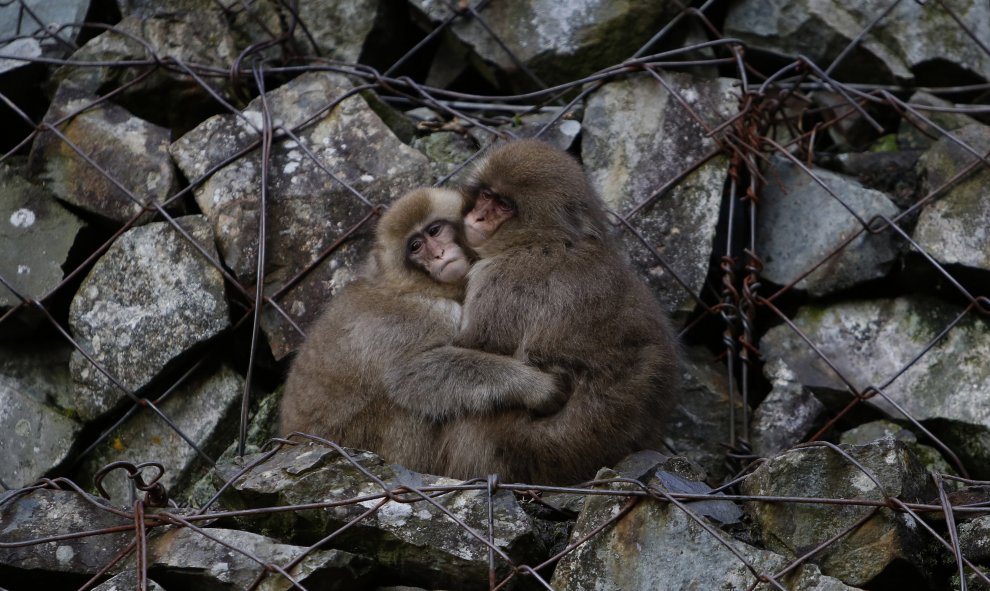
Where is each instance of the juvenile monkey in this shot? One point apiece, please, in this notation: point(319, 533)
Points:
point(346, 383)
point(552, 288)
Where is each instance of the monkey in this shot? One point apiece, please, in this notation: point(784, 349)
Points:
point(345, 383)
point(551, 287)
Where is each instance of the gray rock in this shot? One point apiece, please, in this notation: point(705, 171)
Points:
point(417, 539)
point(225, 559)
point(955, 228)
point(39, 370)
point(338, 28)
point(125, 581)
point(204, 409)
point(43, 513)
point(447, 150)
point(187, 31)
point(698, 425)
point(658, 546)
point(558, 42)
point(870, 342)
point(916, 132)
point(151, 297)
point(637, 137)
point(37, 233)
point(28, 49)
point(908, 41)
point(308, 211)
point(132, 151)
point(893, 173)
point(787, 415)
point(974, 539)
point(795, 528)
point(42, 14)
point(36, 437)
point(927, 455)
point(800, 223)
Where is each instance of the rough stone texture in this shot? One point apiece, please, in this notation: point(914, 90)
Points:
point(205, 409)
point(871, 341)
point(800, 223)
point(43, 513)
point(36, 437)
point(40, 370)
point(417, 540)
point(974, 538)
point(558, 42)
point(796, 528)
point(787, 415)
point(658, 546)
point(192, 32)
point(307, 210)
point(132, 151)
point(182, 558)
point(955, 228)
point(917, 133)
point(893, 173)
point(126, 581)
point(869, 432)
point(37, 233)
point(150, 298)
point(912, 40)
point(637, 137)
point(14, 21)
point(698, 426)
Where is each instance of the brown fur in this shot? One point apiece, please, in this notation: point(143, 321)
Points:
point(551, 288)
point(376, 371)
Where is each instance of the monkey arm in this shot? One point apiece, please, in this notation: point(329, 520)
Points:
point(447, 382)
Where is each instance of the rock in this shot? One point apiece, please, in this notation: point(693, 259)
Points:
point(416, 540)
point(36, 437)
point(636, 139)
point(35, 16)
point(39, 369)
point(339, 29)
point(132, 151)
point(307, 209)
point(151, 297)
point(37, 233)
point(974, 539)
point(224, 559)
point(125, 581)
point(908, 42)
point(559, 43)
point(658, 546)
point(870, 342)
point(787, 415)
point(27, 49)
point(916, 133)
point(698, 425)
point(874, 430)
point(886, 539)
point(892, 173)
point(447, 150)
point(955, 227)
point(45, 513)
point(204, 409)
point(801, 223)
point(191, 32)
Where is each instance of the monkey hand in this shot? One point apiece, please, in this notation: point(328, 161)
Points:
point(552, 395)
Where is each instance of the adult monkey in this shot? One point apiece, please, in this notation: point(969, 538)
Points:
point(551, 287)
point(346, 381)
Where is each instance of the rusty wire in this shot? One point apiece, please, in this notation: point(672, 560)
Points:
point(746, 139)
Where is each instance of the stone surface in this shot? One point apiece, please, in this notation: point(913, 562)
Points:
point(133, 152)
point(126, 581)
point(151, 297)
point(787, 415)
point(36, 437)
point(800, 223)
point(658, 546)
point(870, 342)
point(417, 540)
point(225, 559)
point(916, 132)
point(885, 539)
point(974, 538)
point(44, 513)
point(927, 455)
point(307, 209)
point(912, 40)
point(955, 227)
point(636, 138)
point(37, 233)
point(558, 42)
point(204, 409)
point(41, 14)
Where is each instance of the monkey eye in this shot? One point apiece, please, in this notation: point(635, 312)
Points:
point(486, 194)
point(504, 204)
point(434, 229)
point(415, 244)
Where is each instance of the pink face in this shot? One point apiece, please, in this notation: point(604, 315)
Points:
point(436, 251)
point(490, 211)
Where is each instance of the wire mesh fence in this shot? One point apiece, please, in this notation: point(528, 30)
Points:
point(778, 127)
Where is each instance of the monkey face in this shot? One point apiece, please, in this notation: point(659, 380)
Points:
point(435, 250)
point(490, 211)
